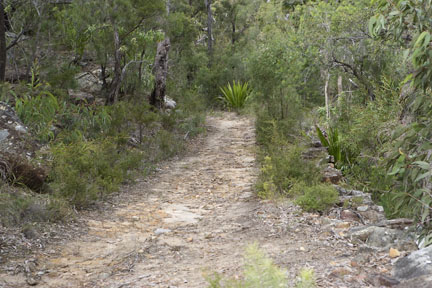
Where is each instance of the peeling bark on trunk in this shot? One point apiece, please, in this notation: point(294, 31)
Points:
point(160, 70)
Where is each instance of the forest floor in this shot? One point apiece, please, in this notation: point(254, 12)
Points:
point(194, 217)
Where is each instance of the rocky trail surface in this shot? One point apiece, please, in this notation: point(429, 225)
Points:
point(196, 216)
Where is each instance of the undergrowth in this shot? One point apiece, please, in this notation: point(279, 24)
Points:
point(319, 197)
point(260, 271)
point(19, 206)
point(284, 171)
point(90, 150)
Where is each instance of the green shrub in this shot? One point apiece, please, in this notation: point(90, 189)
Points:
point(63, 76)
point(85, 122)
point(226, 65)
point(306, 279)
point(85, 171)
point(266, 187)
point(259, 271)
point(168, 144)
point(235, 96)
point(19, 206)
point(37, 108)
point(90, 154)
point(318, 198)
point(266, 129)
point(12, 206)
point(283, 168)
point(169, 121)
point(193, 125)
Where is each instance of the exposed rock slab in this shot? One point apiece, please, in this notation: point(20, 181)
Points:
point(417, 264)
point(383, 238)
point(89, 82)
point(182, 214)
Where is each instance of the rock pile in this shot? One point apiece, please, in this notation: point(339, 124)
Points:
point(363, 224)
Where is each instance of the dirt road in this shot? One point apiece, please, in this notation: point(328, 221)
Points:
point(193, 217)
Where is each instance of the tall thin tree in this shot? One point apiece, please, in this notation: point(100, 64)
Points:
point(208, 4)
point(2, 42)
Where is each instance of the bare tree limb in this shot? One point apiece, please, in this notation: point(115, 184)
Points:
point(16, 40)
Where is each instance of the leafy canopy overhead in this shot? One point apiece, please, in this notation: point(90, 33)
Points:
point(408, 22)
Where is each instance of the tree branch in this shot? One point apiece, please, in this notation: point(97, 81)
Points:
point(348, 66)
point(16, 40)
point(136, 26)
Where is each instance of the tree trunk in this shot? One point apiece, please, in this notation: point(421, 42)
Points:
point(2, 42)
point(141, 64)
point(233, 33)
point(160, 70)
point(35, 49)
point(340, 87)
point(116, 81)
point(168, 7)
point(326, 94)
point(208, 4)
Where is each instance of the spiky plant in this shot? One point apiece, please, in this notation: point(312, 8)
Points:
point(334, 145)
point(235, 96)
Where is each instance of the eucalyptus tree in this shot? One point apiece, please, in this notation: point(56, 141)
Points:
point(2, 42)
point(208, 4)
point(22, 23)
point(408, 24)
point(111, 29)
point(235, 17)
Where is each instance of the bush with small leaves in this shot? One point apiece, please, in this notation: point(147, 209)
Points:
point(318, 198)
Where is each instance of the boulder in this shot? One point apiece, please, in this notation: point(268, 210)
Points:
point(416, 265)
point(348, 215)
point(169, 103)
point(371, 216)
point(381, 280)
point(88, 82)
point(383, 238)
point(424, 281)
point(363, 208)
point(332, 175)
point(17, 149)
point(316, 143)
